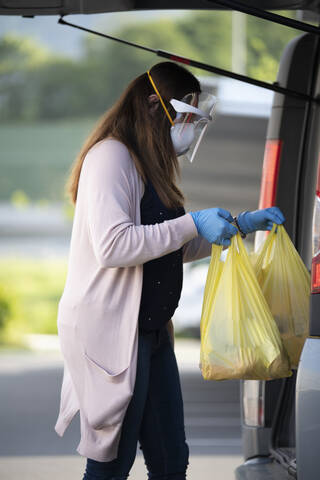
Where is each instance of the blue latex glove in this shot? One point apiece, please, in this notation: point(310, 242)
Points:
point(260, 219)
point(214, 225)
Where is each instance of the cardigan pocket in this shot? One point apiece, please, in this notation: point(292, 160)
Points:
point(106, 394)
point(110, 376)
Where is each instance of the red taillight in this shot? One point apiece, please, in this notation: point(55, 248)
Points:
point(315, 274)
point(269, 180)
point(315, 267)
point(270, 172)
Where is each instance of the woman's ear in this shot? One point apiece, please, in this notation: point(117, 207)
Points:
point(153, 102)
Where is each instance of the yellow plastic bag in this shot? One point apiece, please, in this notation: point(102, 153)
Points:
point(285, 282)
point(239, 337)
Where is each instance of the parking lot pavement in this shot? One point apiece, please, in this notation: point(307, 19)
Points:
point(71, 467)
point(32, 450)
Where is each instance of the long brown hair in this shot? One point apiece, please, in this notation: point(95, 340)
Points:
point(146, 136)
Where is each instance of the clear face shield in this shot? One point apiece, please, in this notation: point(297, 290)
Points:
point(194, 112)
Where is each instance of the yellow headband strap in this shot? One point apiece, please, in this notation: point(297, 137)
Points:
point(162, 102)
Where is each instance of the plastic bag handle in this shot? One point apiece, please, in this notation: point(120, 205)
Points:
point(266, 245)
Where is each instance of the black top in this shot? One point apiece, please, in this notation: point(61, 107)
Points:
point(162, 277)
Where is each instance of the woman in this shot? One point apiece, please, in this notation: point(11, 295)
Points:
point(129, 240)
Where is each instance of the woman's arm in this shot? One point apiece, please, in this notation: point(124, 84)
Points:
point(111, 197)
point(196, 249)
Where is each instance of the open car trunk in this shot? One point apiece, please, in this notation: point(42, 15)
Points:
point(68, 7)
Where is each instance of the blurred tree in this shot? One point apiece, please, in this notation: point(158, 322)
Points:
point(265, 44)
point(36, 84)
point(210, 35)
point(18, 55)
point(58, 89)
point(113, 66)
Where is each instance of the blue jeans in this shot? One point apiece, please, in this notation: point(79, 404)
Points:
point(154, 417)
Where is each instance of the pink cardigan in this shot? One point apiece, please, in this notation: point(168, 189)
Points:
point(98, 310)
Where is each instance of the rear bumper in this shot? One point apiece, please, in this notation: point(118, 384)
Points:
point(261, 468)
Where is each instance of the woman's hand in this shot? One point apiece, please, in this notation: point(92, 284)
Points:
point(214, 224)
point(170, 329)
point(260, 219)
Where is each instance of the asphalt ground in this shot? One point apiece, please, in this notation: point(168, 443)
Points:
point(30, 448)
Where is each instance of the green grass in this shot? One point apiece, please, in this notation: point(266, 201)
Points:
point(32, 288)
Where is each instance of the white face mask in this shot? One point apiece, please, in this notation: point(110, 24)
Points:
point(182, 141)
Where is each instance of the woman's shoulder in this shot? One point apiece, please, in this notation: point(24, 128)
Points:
point(110, 149)
point(109, 160)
